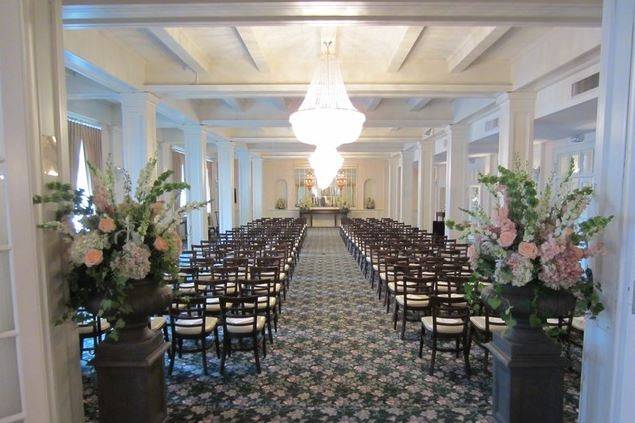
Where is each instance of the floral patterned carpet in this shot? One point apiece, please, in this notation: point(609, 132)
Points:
point(335, 358)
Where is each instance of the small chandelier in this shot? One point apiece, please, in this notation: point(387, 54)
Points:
point(340, 181)
point(309, 181)
point(327, 117)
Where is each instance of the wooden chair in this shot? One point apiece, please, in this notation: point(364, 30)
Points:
point(449, 321)
point(90, 327)
point(188, 321)
point(241, 320)
point(413, 296)
point(482, 329)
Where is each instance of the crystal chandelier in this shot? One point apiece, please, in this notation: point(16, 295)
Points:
point(327, 117)
point(325, 161)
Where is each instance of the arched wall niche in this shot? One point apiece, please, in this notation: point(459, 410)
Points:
point(370, 191)
point(282, 192)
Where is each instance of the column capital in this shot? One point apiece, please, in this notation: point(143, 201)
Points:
point(138, 99)
point(517, 100)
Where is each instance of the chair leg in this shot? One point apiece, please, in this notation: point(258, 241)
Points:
point(264, 346)
point(275, 320)
point(421, 342)
point(403, 322)
point(434, 355)
point(224, 354)
point(257, 358)
point(466, 355)
point(269, 326)
point(456, 348)
point(204, 355)
point(172, 353)
point(394, 316)
point(216, 342)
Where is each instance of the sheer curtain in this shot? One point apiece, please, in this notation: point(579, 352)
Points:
point(90, 137)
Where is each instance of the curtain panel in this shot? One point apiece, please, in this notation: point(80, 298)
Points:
point(90, 136)
point(178, 161)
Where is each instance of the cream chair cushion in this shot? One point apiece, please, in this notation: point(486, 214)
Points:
point(233, 321)
point(87, 329)
point(578, 323)
point(212, 305)
point(262, 303)
point(157, 322)
point(414, 300)
point(496, 323)
point(193, 327)
point(441, 328)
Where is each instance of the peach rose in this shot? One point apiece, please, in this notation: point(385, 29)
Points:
point(506, 238)
point(107, 225)
point(507, 225)
point(93, 257)
point(160, 244)
point(157, 208)
point(528, 250)
point(578, 252)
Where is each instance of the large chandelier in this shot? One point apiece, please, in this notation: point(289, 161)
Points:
point(327, 117)
point(325, 161)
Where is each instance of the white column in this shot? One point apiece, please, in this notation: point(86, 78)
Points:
point(225, 153)
point(40, 368)
point(244, 186)
point(256, 182)
point(195, 140)
point(426, 191)
point(455, 172)
point(139, 131)
point(608, 368)
point(406, 190)
point(516, 128)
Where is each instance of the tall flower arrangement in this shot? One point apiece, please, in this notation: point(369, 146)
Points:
point(533, 239)
point(116, 242)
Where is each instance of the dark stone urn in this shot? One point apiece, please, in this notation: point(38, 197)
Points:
point(528, 367)
point(130, 371)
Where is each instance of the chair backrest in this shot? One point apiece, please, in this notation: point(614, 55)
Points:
point(188, 312)
point(449, 312)
point(239, 314)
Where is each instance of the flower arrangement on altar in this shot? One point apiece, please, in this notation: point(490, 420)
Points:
point(342, 204)
point(535, 240)
point(281, 204)
point(110, 242)
point(370, 203)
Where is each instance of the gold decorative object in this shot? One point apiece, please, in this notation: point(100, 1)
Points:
point(309, 180)
point(340, 181)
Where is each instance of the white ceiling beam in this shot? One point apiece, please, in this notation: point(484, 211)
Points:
point(236, 104)
point(248, 122)
point(384, 90)
point(183, 47)
point(476, 43)
point(405, 46)
point(372, 103)
point(252, 47)
point(291, 140)
point(417, 104)
point(81, 14)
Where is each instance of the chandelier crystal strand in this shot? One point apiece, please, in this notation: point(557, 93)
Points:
point(327, 117)
point(326, 161)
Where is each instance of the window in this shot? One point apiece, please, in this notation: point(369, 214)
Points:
point(327, 197)
point(82, 182)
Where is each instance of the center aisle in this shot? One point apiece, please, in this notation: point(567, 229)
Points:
point(335, 358)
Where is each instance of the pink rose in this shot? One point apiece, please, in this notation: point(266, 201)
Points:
point(528, 250)
point(507, 225)
point(471, 251)
point(160, 244)
point(107, 225)
point(506, 238)
point(93, 257)
point(503, 212)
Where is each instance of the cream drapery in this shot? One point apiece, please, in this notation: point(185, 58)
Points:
point(90, 136)
point(178, 160)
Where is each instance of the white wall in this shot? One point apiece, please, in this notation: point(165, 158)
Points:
point(274, 170)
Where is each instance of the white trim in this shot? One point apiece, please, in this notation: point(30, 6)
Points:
point(9, 334)
point(14, 418)
point(84, 120)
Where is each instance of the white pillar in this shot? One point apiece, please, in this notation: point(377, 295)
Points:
point(256, 182)
point(426, 191)
point(406, 190)
point(225, 153)
point(244, 186)
point(516, 128)
point(41, 375)
point(195, 140)
point(608, 368)
point(455, 172)
point(139, 131)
